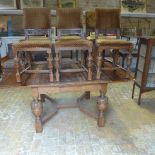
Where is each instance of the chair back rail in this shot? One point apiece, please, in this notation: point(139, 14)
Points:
point(70, 32)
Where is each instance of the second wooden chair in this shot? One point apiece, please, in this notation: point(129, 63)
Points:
point(71, 37)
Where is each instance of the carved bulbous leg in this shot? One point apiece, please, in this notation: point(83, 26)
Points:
point(17, 66)
point(37, 109)
point(102, 103)
point(50, 65)
point(57, 66)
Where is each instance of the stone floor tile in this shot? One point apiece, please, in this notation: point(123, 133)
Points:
point(129, 128)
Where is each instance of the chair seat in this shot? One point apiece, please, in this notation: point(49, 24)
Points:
point(69, 37)
point(33, 43)
point(73, 43)
point(38, 38)
point(113, 42)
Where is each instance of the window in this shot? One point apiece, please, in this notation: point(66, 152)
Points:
point(7, 4)
point(31, 3)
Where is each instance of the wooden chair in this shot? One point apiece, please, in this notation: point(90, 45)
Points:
point(71, 37)
point(37, 23)
point(107, 37)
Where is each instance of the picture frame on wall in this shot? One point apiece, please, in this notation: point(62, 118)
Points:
point(7, 4)
point(31, 3)
point(66, 3)
point(133, 6)
point(49, 4)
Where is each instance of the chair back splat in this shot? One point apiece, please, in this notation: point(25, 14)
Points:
point(69, 22)
point(107, 21)
point(37, 22)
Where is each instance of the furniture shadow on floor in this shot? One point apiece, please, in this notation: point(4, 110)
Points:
point(147, 103)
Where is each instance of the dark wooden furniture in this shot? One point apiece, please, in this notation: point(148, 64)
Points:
point(0, 63)
point(71, 37)
point(39, 93)
point(0, 69)
point(108, 25)
point(44, 107)
point(145, 68)
point(37, 22)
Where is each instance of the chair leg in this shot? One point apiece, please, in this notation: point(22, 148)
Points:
point(50, 65)
point(103, 58)
point(71, 53)
point(99, 64)
point(85, 57)
point(89, 64)
point(1, 70)
point(139, 98)
point(0, 67)
point(17, 66)
point(129, 61)
point(133, 90)
point(114, 58)
point(57, 66)
point(30, 58)
point(76, 52)
point(123, 60)
point(37, 110)
point(82, 58)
